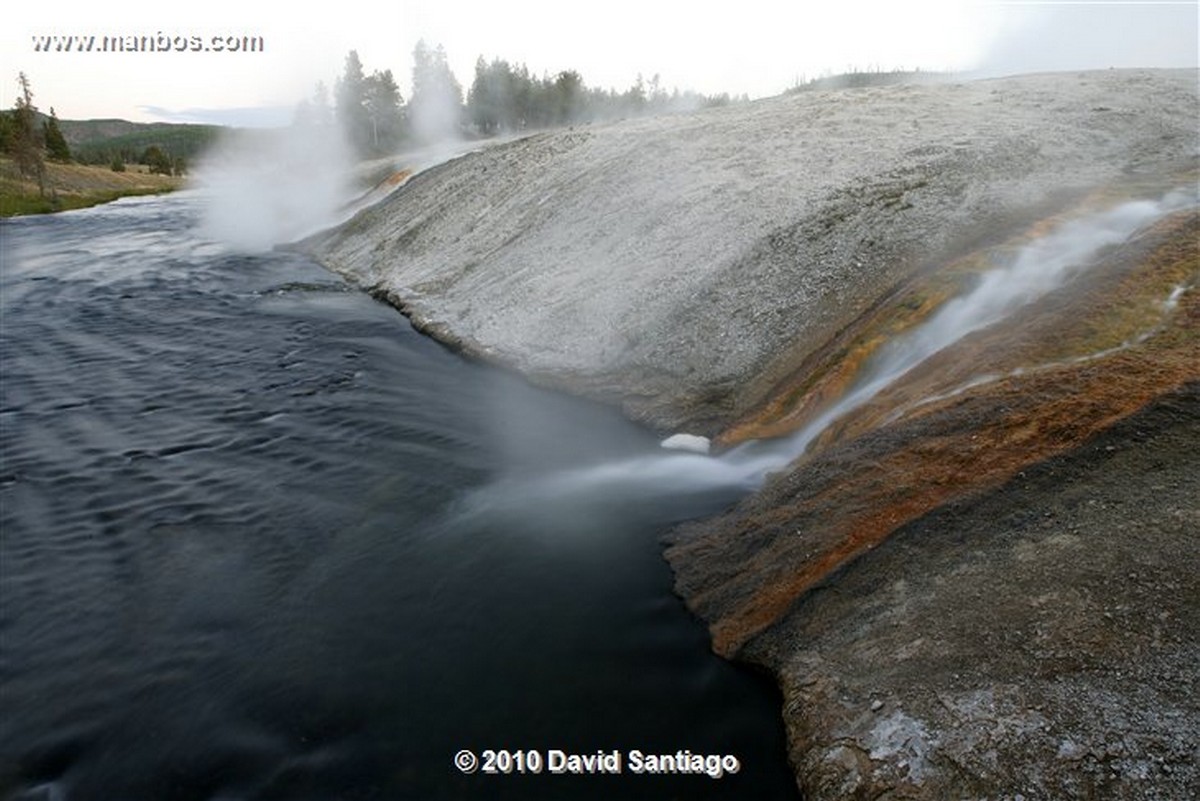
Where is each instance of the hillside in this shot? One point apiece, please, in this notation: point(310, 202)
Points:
point(79, 131)
point(690, 252)
point(950, 331)
point(97, 141)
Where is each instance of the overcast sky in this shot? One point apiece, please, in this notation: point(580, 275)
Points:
point(749, 46)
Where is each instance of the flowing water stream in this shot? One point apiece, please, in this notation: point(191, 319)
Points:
point(245, 548)
point(1035, 270)
point(262, 540)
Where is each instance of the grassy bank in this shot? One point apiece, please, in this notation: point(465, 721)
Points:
point(74, 186)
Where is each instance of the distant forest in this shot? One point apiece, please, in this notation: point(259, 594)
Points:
point(502, 98)
point(862, 79)
point(162, 147)
point(30, 138)
point(377, 120)
point(104, 141)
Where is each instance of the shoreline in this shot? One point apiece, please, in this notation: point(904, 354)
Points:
point(75, 186)
point(728, 274)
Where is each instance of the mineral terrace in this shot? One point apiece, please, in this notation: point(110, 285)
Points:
point(983, 582)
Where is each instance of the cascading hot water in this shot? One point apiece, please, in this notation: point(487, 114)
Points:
point(1037, 269)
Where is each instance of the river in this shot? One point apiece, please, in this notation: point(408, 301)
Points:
point(259, 539)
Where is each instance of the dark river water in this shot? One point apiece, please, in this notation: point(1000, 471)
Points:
point(259, 539)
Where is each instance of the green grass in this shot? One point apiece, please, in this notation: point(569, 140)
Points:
point(17, 203)
point(72, 186)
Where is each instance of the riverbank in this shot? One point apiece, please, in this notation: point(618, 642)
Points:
point(260, 506)
point(74, 186)
point(1038, 638)
point(739, 272)
point(994, 590)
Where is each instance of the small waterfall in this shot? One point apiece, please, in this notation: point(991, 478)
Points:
point(1036, 270)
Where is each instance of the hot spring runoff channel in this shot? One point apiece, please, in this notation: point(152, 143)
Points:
point(255, 542)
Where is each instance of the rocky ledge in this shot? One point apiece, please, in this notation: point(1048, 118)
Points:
point(979, 579)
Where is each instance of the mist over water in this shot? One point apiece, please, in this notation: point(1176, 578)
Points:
point(1037, 269)
point(264, 188)
point(233, 567)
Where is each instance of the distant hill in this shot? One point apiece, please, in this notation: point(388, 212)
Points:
point(78, 132)
point(99, 141)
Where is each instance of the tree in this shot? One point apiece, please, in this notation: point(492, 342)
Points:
point(314, 113)
point(568, 96)
point(634, 99)
point(27, 142)
point(436, 105)
point(492, 99)
point(8, 127)
point(56, 144)
point(382, 102)
point(157, 160)
point(351, 100)
point(483, 103)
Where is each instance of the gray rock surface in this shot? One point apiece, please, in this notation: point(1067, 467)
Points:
point(677, 264)
point(1036, 639)
point(1041, 640)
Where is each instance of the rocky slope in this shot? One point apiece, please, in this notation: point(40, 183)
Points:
point(672, 264)
point(1039, 639)
point(979, 579)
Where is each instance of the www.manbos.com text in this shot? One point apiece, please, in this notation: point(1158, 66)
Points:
point(141, 43)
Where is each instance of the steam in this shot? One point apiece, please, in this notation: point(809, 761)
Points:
point(264, 188)
point(435, 110)
point(1037, 269)
point(436, 118)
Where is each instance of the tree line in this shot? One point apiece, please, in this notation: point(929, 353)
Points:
point(502, 98)
point(31, 138)
point(28, 139)
point(165, 148)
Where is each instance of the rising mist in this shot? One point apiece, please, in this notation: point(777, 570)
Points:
point(264, 188)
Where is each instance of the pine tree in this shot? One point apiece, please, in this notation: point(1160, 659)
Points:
point(314, 112)
point(568, 96)
point(158, 161)
point(56, 143)
point(27, 142)
point(351, 98)
point(484, 97)
point(321, 110)
point(436, 105)
point(7, 131)
point(382, 103)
